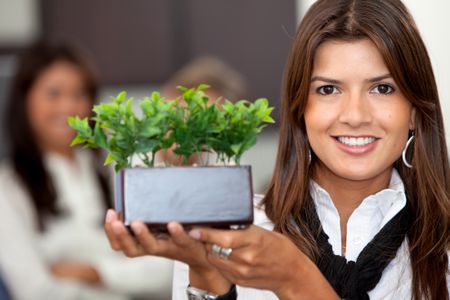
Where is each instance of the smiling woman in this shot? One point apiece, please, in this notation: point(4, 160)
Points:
point(357, 119)
point(345, 216)
point(57, 93)
point(358, 79)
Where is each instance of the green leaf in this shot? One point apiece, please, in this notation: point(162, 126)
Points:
point(236, 148)
point(100, 137)
point(78, 140)
point(80, 125)
point(227, 128)
point(109, 159)
point(121, 97)
point(182, 89)
point(203, 86)
point(129, 106)
point(72, 122)
point(155, 96)
point(268, 119)
point(146, 146)
point(149, 131)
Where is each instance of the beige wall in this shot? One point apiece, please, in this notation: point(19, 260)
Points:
point(19, 21)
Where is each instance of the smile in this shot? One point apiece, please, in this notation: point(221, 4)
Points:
point(356, 141)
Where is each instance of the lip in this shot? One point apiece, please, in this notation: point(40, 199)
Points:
point(356, 150)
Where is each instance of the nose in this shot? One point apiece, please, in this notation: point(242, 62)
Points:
point(355, 110)
point(69, 104)
point(65, 105)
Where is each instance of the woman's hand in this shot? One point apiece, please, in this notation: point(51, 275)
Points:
point(179, 246)
point(265, 260)
point(77, 271)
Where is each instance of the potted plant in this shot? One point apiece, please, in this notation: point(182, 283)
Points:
point(217, 195)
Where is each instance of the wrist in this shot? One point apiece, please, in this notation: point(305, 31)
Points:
point(292, 287)
point(307, 283)
point(209, 279)
point(198, 294)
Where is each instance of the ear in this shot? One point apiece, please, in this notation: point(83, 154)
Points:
point(412, 119)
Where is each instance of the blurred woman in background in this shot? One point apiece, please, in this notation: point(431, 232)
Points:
point(54, 196)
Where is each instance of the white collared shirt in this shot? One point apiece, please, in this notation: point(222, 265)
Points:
point(26, 254)
point(364, 223)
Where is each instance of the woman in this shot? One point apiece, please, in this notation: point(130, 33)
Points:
point(53, 197)
point(359, 201)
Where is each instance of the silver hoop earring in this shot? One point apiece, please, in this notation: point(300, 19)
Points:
point(309, 157)
point(406, 149)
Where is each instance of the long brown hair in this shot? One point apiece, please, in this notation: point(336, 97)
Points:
point(389, 25)
point(26, 157)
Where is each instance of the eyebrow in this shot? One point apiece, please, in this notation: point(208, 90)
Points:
point(334, 81)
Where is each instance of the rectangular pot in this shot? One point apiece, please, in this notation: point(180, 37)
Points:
point(214, 196)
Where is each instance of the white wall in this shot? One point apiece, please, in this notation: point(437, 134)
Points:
point(433, 21)
point(19, 22)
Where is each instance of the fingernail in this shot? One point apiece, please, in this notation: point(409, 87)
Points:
point(109, 216)
point(117, 229)
point(172, 227)
point(195, 234)
point(136, 228)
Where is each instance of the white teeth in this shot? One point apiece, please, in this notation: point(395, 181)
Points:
point(356, 141)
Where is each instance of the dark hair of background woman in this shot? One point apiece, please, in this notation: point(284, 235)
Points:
point(389, 25)
point(26, 157)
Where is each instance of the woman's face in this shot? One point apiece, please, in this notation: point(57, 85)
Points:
point(357, 119)
point(58, 92)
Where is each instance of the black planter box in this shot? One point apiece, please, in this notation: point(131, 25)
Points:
point(213, 196)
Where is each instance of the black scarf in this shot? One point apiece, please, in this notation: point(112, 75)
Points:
point(353, 280)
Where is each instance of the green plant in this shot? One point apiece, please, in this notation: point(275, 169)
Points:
point(190, 124)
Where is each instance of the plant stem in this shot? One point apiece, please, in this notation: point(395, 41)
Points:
point(147, 160)
point(207, 157)
point(152, 162)
point(200, 158)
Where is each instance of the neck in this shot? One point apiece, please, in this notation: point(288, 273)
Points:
point(67, 152)
point(347, 194)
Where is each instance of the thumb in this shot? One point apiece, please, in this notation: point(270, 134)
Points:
point(224, 238)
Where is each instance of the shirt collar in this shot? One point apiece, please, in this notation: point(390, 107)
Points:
point(54, 160)
point(388, 201)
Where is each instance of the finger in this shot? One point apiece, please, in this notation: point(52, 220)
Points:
point(224, 238)
point(127, 243)
point(179, 235)
point(111, 216)
point(233, 270)
point(179, 246)
point(237, 255)
point(147, 240)
point(219, 252)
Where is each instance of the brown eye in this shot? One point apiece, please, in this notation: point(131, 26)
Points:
point(384, 89)
point(80, 95)
point(53, 93)
point(327, 90)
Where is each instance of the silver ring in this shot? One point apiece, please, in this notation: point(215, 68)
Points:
point(225, 253)
point(216, 249)
point(221, 252)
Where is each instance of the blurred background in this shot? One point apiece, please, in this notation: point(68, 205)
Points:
point(139, 45)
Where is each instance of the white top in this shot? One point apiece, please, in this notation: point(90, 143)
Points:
point(364, 223)
point(26, 254)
